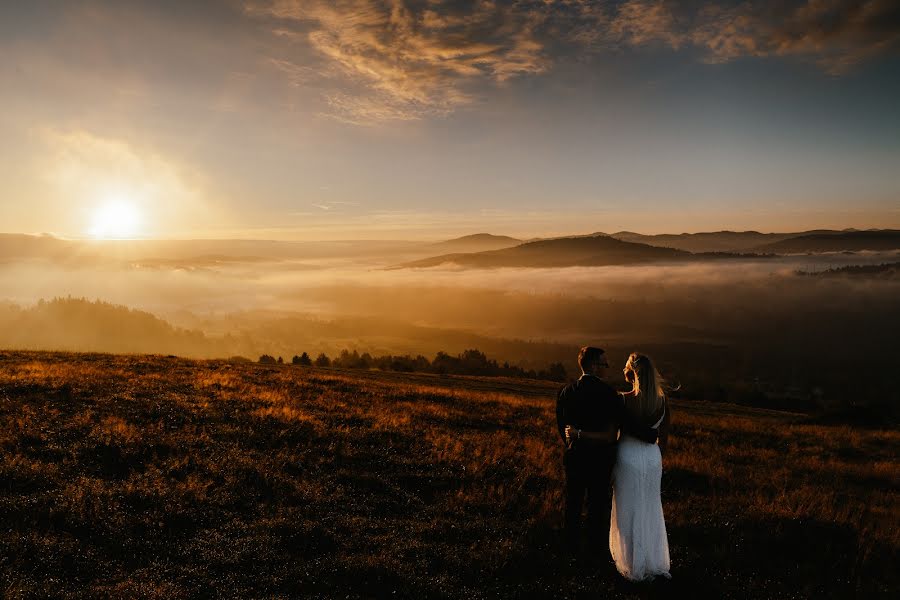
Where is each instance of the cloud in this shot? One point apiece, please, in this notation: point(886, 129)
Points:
point(334, 205)
point(839, 33)
point(834, 34)
point(409, 60)
point(396, 60)
point(639, 22)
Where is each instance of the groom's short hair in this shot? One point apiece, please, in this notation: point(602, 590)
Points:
point(588, 356)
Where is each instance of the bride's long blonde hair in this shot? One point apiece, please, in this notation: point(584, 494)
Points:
point(649, 396)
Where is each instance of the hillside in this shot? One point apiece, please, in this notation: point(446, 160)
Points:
point(77, 324)
point(478, 242)
point(880, 271)
point(579, 251)
point(158, 477)
point(718, 241)
point(596, 250)
point(844, 241)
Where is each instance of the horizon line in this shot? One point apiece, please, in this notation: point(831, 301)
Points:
point(449, 237)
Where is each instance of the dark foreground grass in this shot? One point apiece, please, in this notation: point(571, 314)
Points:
point(151, 477)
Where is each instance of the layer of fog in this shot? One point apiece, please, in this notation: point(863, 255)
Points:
point(222, 286)
point(695, 301)
point(711, 323)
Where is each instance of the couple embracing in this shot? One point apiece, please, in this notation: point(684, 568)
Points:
point(615, 440)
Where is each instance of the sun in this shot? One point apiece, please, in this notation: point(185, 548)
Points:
point(116, 219)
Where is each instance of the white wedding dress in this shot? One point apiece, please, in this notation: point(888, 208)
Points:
point(637, 531)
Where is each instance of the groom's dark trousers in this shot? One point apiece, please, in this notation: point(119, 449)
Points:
point(592, 405)
point(588, 474)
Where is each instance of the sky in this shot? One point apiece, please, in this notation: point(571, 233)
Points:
point(362, 119)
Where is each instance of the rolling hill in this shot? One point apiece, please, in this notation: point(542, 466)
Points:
point(478, 242)
point(718, 241)
point(582, 251)
point(842, 241)
point(560, 252)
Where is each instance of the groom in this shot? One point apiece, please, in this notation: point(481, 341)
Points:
point(591, 404)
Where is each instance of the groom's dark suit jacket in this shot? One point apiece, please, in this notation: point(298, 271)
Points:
point(592, 404)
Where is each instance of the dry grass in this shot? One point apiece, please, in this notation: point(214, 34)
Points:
point(155, 477)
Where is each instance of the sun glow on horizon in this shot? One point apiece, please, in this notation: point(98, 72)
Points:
point(115, 219)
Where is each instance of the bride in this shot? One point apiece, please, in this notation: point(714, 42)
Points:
point(637, 533)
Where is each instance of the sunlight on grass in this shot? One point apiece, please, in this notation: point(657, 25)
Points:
point(230, 475)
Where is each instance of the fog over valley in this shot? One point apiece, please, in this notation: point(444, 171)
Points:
point(780, 320)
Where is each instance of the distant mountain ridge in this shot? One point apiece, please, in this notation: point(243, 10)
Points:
point(597, 250)
point(623, 248)
point(477, 242)
point(718, 241)
point(723, 241)
point(842, 241)
point(480, 250)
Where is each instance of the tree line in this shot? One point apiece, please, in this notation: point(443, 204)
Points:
point(469, 362)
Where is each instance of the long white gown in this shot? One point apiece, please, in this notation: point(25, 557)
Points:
point(637, 531)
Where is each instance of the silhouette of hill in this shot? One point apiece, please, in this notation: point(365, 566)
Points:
point(593, 250)
point(478, 242)
point(15, 246)
point(76, 323)
point(839, 241)
point(717, 241)
point(481, 250)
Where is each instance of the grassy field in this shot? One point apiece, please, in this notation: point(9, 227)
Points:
point(154, 477)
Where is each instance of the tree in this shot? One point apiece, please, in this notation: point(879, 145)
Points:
point(303, 359)
point(266, 359)
point(322, 360)
point(557, 372)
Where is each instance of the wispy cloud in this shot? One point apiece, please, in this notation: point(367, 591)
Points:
point(409, 59)
point(337, 204)
point(642, 22)
point(401, 60)
point(835, 34)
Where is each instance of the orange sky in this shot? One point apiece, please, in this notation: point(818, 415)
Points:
point(306, 119)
